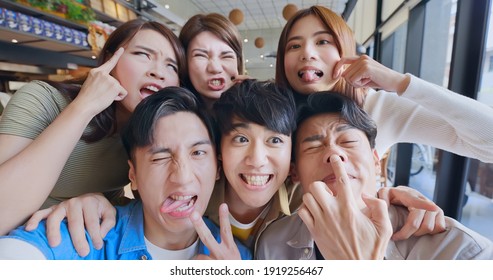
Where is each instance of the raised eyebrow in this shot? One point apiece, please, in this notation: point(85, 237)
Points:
point(240, 125)
point(202, 142)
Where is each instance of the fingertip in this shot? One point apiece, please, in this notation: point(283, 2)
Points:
point(194, 216)
point(366, 197)
point(223, 207)
point(98, 244)
point(335, 158)
point(83, 251)
point(29, 227)
point(53, 242)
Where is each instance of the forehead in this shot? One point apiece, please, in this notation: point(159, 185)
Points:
point(306, 25)
point(181, 128)
point(152, 39)
point(205, 39)
point(328, 121)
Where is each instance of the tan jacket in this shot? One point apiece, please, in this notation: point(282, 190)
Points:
point(288, 197)
point(289, 238)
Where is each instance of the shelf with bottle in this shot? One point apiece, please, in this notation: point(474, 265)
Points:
point(24, 23)
point(20, 28)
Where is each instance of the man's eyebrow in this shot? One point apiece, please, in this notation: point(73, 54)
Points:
point(345, 126)
point(318, 137)
point(202, 142)
point(156, 150)
point(240, 125)
point(312, 138)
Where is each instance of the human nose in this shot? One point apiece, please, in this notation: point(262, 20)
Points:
point(308, 52)
point(334, 150)
point(214, 66)
point(182, 173)
point(157, 71)
point(257, 156)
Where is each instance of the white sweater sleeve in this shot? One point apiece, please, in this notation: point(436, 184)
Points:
point(16, 249)
point(432, 115)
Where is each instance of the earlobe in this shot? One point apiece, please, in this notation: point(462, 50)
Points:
point(218, 172)
point(293, 173)
point(131, 176)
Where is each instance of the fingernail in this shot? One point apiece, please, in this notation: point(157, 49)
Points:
point(194, 216)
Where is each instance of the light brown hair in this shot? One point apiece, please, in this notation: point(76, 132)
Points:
point(218, 25)
point(344, 41)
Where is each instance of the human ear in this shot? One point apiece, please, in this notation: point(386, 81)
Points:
point(132, 176)
point(294, 174)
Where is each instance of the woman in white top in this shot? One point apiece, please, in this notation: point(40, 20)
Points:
point(316, 52)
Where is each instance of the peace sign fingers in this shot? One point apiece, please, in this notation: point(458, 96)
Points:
point(227, 249)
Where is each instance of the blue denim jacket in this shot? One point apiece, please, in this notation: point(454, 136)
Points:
point(124, 242)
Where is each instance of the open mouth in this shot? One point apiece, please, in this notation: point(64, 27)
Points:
point(310, 75)
point(148, 90)
point(256, 180)
point(178, 203)
point(216, 84)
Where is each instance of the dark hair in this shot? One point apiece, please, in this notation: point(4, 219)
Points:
point(139, 131)
point(218, 25)
point(104, 123)
point(330, 102)
point(343, 39)
point(258, 102)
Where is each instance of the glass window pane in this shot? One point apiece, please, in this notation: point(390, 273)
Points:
point(478, 210)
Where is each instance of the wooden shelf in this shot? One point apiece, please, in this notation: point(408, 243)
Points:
point(46, 43)
point(33, 40)
point(14, 6)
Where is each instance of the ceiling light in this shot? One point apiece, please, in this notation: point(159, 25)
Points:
point(15, 41)
point(245, 40)
point(166, 6)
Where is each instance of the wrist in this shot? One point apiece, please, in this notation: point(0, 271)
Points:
point(404, 82)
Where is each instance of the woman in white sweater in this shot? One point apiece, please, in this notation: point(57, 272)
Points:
point(316, 52)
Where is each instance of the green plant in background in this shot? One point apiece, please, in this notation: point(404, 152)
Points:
point(72, 9)
point(43, 5)
point(78, 12)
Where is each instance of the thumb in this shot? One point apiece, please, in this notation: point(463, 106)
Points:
point(378, 213)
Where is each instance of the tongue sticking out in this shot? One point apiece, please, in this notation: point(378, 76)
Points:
point(310, 75)
point(171, 205)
